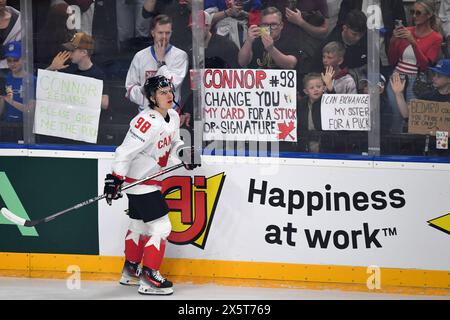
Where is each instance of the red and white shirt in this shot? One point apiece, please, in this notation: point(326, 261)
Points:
point(408, 58)
point(148, 147)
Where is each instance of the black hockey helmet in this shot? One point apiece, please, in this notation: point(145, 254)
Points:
point(155, 83)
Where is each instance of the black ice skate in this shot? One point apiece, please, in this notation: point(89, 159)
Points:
point(152, 282)
point(130, 274)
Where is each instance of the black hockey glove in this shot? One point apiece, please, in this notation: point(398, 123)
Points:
point(190, 157)
point(191, 166)
point(112, 188)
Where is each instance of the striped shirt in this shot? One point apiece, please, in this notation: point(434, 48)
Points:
point(408, 58)
point(408, 62)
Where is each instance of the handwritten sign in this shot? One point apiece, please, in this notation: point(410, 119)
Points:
point(67, 106)
point(342, 112)
point(427, 117)
point(249, 105)
point(442, 140)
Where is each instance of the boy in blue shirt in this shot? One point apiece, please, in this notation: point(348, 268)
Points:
point(11, 104)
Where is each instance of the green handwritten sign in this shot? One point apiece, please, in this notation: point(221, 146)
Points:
point(68, 106)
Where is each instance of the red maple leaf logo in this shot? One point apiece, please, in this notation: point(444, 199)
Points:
point(164, 159)
point(285, 130)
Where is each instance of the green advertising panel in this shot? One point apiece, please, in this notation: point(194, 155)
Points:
point(34, 188)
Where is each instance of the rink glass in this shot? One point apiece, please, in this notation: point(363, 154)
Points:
point(116, 42)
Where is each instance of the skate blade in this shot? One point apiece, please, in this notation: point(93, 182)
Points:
point(125, 281)
point(155, 291)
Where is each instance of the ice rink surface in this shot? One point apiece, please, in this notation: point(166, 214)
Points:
point(33, 289)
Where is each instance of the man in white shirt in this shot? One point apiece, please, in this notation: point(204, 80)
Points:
point(161, 58)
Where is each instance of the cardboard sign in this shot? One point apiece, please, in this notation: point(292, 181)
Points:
point(342, 112)
point(67, 106)
point(249, 105)
point(427, 117)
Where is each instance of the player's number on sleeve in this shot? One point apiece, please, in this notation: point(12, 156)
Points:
point(142, 125)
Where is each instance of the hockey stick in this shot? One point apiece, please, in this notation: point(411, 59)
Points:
point(31, 223)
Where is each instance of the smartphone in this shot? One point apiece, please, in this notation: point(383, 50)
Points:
point(241, 3)
point(398, 23)
point(292, 5)
point(265, 30)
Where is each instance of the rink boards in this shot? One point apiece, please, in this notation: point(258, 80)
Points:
point(325, 220)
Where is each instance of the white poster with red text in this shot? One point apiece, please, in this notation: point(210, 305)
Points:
point(249, 105)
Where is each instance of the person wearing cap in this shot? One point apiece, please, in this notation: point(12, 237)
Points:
point(440, 93)
point(11, 104)
point(441, 82)
point(79, 50)
point(161, 58)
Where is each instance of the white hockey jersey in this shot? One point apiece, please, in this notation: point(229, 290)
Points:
point(144, 65)
point(149, 145)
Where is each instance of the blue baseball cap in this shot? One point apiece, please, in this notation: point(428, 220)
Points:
point(13, 49)
point(442, 67)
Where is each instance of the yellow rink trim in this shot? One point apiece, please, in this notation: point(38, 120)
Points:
point(410, 281)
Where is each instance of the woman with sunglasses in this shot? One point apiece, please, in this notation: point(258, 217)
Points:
point(413, 49)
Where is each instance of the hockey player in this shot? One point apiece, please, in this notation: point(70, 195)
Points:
point(152, 139)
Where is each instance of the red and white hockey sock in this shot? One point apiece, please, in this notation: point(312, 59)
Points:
point(134, 246)
point(154, 252)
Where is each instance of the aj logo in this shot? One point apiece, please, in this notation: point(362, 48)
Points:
point(12, 202)
point(441, 223)
point(192, 205)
